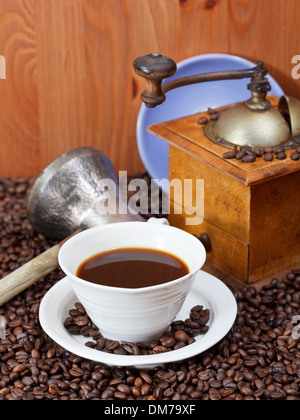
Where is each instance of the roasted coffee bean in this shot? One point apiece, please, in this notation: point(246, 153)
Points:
point(281, 155)
point(269, 157)
point(131, 348)
point(167, 341)
point(212, 112)
point(249, 158)
point(295, 156)
point(203, 120)
point(240, 154)
point(279, 149)
point(159, 349)
point(248, 150)
point(146, 377)
point(258, 151)
point(181, 335)
point(81, 321)
point(214, 116)
point(229, 155)
point(112, 345)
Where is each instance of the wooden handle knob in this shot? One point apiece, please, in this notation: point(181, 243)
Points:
point(154, 68)
point(206, 242)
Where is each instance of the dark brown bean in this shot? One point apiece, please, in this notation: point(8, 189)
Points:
point(112, 345)
point(240, 154)
point(124, 388)
point(258, 151)
point(295, 156)
point(145, 389)
point(159, 349)
point(131, 348)
point(214, 116)
point(279, 149)
point(229, 155)
point(203, 120)
point(81, 321)
point(167, 341)
point(269, 157)
point(146, 377)
point(181, 336)
point(281, 155)
point(249, 158)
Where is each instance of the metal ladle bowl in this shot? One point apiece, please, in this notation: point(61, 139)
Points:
point(69, 194)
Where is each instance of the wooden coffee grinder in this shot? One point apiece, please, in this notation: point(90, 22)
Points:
point(248, 156)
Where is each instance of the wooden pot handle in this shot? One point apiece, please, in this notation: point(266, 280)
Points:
point(34, 270)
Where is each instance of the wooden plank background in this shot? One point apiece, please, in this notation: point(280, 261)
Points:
point(69, 66)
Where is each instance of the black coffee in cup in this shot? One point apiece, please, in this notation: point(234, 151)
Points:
point(132, 268)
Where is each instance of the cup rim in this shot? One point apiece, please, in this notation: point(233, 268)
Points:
point(69, 274)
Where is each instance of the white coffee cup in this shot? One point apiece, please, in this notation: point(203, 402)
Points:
point(140, 314)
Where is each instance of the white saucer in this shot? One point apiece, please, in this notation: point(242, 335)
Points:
point(207, 291)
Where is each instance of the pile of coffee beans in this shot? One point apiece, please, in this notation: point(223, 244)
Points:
point(180, 334)
point(18, 242)
point(249, 154)
point(259, 359)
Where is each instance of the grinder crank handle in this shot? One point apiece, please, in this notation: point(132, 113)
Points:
point(156, 67)
point(34, 270)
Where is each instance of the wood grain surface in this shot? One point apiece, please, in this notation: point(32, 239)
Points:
point(69, 79)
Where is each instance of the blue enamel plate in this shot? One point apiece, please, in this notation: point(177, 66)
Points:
point(189, 100)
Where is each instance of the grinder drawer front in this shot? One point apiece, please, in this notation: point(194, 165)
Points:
point(227, 253)
point(226, 201)
point(274, 227)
